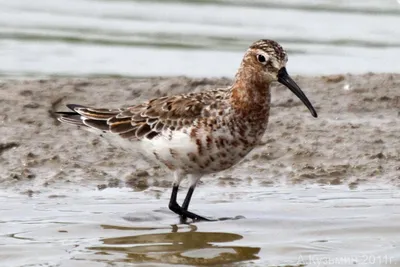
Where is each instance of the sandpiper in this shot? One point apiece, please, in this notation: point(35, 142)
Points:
point(196, 134)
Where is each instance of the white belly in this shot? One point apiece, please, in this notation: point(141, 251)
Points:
point(180, 151)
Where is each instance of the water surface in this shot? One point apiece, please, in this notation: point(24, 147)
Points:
point(195, 38)
point(315, 226)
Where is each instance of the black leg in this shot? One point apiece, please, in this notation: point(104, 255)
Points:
point(174, 206)
point(188, 197)
point(186, 202)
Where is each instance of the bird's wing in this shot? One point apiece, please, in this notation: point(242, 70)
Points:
point(148, 119)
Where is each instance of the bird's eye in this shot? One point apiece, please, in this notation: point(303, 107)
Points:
point(261, 59)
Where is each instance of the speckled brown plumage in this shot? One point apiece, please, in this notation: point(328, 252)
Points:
point(199, 133)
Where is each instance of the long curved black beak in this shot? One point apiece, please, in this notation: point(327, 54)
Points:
point(284, 78)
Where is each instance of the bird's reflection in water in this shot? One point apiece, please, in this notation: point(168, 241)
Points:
point(189, 247)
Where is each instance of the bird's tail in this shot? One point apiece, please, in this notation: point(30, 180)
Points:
point(87, 117)
point(69, 117)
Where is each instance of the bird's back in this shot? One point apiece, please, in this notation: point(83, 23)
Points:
point(196, 132)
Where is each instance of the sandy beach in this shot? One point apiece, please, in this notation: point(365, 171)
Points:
point(315, 191)
point(355, 139)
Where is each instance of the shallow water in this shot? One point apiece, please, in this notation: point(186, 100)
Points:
point(142, 38)
point(315, 226)
point(66, 222)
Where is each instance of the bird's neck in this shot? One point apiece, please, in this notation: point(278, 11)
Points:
point(250, 96)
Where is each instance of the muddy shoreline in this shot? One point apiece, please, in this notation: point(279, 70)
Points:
point(356, 138)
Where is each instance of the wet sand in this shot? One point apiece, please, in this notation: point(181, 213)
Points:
point(355, 139)
point(76, 199)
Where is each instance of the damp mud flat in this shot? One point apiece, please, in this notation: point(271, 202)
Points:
point(315, 192)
